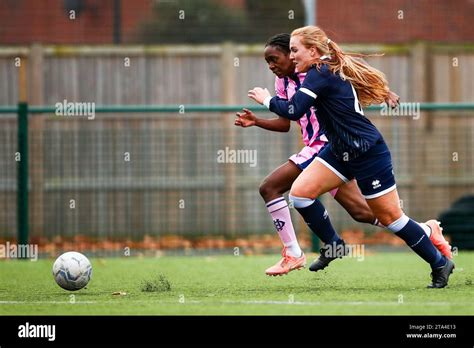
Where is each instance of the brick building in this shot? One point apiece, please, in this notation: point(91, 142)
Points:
point(391, 21)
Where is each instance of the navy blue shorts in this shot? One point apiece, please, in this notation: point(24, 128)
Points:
point(373, 169)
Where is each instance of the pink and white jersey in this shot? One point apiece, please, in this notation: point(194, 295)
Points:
point(313, 135)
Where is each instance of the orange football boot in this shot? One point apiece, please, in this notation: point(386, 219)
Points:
point(286, 264)
point(437, 238)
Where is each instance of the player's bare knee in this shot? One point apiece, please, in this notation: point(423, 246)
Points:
point(300, 191)
point(363, 215)
point(388, 217)
point(264, 190)
point(268, 191)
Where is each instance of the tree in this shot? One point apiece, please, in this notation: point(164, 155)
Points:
point(210, 21)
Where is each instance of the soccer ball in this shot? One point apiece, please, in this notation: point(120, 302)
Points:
point(72, 271)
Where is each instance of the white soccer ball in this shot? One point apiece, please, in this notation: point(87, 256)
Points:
point(72, 271)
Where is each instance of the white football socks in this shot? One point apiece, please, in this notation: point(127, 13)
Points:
point(293, 249)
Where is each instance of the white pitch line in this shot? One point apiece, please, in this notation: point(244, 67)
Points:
point(101, 302)
point(248, 302)
point(350, 303)
point(47, 302)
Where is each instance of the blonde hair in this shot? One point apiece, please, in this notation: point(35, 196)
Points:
point(370, 84)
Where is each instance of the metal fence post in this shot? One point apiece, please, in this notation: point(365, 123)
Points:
point(228, 77)
point(22, 180)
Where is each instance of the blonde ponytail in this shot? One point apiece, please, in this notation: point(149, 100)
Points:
point(370, 84)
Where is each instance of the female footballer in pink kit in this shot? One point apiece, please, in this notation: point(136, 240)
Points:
point(337, 84)
point(287, 82)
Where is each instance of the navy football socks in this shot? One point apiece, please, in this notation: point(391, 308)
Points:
point(317, 218)
point(417, 240)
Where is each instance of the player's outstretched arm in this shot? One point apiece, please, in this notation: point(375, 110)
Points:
point(293, 109)
point(248, 119)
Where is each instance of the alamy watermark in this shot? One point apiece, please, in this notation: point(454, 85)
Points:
point(75, 109)
point(37, 331)
point(335, 250)
point(237, 156)
point(19, 251)
point(403, 109)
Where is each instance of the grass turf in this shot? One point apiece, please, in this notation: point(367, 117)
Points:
point(383, 283)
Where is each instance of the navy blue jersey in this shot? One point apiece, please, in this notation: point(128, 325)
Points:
point(337, 109)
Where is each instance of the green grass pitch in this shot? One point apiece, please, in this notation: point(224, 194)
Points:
point(385, 283)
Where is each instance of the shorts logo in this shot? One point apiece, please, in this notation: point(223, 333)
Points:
point(376, 184)
point(325, 215)
point(278, 224)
